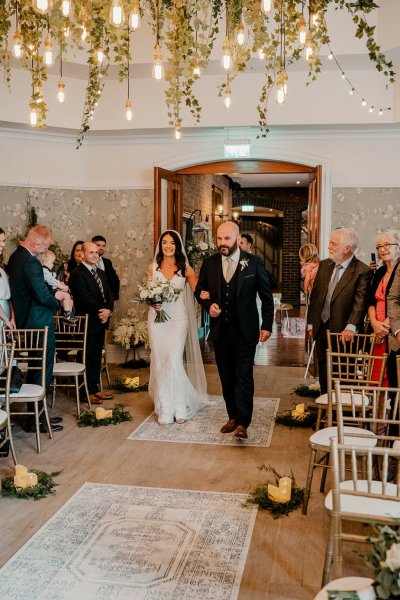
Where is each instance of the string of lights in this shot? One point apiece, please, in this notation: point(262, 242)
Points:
point(353, 91)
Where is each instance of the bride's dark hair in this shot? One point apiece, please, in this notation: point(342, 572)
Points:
point(179, 256)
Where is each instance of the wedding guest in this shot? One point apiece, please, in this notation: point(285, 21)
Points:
point(92, 296)
point(388, 248)
point(75, 259)
point(309, 261)
point(7, 317)
point(58, 288)
point(246, 242)
point(106, 265)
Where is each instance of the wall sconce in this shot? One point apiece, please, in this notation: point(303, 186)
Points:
point(220, 214)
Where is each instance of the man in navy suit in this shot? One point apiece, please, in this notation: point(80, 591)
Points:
point(34, 304)
point(106, 265)
point(92, 296)
point(233, 279)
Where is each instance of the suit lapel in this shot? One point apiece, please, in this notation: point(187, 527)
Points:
point(345, 279)
point(241, 274)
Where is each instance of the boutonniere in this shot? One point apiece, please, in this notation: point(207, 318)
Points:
point(244, 263)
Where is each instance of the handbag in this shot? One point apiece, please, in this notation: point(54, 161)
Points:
point(16, 382)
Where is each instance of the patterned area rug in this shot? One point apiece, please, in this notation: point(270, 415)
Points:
point(135, 543)
point(205, 426)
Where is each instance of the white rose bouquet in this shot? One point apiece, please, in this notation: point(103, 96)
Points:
point(198, 251)
point(156, 292)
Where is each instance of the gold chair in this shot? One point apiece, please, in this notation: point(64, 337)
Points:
point(30, 353)
point(363, 343)
point(358, 500)
point(6, 361)
point(71, 342)
point(104, 364)
point(351, 369)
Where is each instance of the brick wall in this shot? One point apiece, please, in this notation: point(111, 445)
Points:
point(197, 193)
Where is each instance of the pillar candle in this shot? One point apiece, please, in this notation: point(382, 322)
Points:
point(107, 413)
point(32, 479)
point(100, 413)
point(20, 481)
point(285, 488)
point(20, 470)
point(274, 493)
point(299, 410)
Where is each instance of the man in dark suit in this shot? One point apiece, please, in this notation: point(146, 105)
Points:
point(34, 304)
point(106, 265)
point(92, 296)
point(232, 279)
point(338, 300)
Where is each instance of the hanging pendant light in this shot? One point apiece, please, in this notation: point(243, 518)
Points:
point(17, 44)
point(42, 7)
point(226, 55)
point(117, 13)
point(178, 132)
point(280, 88)
point(61, 84)
point(267, 6)
point(66, 8)
point(48, 56)
point(33, 114)
point(228, 97)
point(134, 17)
point(197, 68)
point(158, 67)
point(302, 30)
point(308, 47)
point(240, 37)
point(100, 56)
point(128, 110)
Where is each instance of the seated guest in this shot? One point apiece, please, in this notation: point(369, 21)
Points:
point(246, 242)
point(106, 265)
point(75, 259)
point(92, 296)
point(58, 288)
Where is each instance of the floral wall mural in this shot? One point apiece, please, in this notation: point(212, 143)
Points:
point(369, 211)
point(124, 217)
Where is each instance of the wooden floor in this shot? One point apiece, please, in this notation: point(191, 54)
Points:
point(286, 555)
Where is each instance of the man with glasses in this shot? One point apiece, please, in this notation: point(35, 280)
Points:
point(338, 300)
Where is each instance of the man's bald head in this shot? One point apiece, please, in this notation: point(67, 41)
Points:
point(90, 253)
point(228, 237)
point(38, 239)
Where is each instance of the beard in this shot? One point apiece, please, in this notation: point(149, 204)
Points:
point(226, 250)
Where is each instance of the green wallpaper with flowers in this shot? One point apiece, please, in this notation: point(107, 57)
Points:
point(123, 217)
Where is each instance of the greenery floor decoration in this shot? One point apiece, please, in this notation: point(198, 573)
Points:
point(307, 419)
point(119, 415)
point(277, 509)
point(308, 391)
point(138, 363)
point(121, 386)
point(43, 488)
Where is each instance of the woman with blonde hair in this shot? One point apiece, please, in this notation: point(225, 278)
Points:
point(309, 261)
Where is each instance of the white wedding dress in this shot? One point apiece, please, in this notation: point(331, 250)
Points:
point(173, 395)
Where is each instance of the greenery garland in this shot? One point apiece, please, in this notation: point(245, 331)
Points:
point(120, 385)
point(88, 418)
point(307, 419)
point(277, 509)
point(44, 487)
point(306, 391)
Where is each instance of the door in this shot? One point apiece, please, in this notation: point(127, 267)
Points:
point(167, 202)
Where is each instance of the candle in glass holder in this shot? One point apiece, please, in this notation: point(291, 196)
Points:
point(20, 470)
point(20, 481)
point(100, 413)
point(32, 479)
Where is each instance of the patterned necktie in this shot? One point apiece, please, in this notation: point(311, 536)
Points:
point(326, 311)
point(99, 282)
point(229, 270)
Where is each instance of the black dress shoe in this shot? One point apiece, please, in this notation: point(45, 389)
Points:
point(55, 420)
point(43, 428)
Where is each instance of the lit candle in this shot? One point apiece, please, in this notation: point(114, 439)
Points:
point(20, 481)
point(31, 479)
point(132, 382)
point(299, 410)
point(100, 413)
point(107, 413)
point(21, 470)
point(285, 488)
point(274, 493)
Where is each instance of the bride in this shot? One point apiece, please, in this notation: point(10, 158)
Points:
point(177, 393)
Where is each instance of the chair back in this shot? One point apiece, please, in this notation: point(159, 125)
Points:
point(363, 343)
point(352, 369)
point(398, 368)
point(71, 339)
point(30, 351)
point(6, 360)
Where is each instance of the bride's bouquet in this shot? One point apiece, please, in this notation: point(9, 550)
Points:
point(156, 292)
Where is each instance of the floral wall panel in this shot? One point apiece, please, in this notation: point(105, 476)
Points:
point(124, 217)
point(369, 211)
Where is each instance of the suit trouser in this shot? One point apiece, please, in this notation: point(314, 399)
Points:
point(94, 349)
point(36, 376)
point(235, 358)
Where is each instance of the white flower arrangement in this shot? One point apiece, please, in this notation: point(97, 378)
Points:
point(154, 291)
point(131, 330)
point(385, 559)
point(198, 251)
point(244, 263)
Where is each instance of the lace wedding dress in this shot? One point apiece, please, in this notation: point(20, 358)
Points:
point(173, 394)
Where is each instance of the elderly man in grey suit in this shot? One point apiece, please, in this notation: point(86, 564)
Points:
point(338, 300)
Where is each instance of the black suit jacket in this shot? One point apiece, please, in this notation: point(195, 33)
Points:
point(349, 300)
point(112, 277)
point(87, 296)
point(33, 303)
point(252, 280)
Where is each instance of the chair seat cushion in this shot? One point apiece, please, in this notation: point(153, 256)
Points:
point(3, 417)
point(323, 437)
point(29, 390)
point(68, 369)
point(346, 399)
point(372, 507)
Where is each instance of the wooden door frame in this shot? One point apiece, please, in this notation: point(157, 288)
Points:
point(172, 177)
